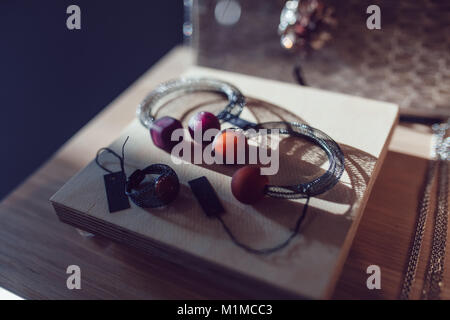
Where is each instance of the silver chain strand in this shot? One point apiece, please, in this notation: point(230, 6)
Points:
point(418, 236)
point(236, 100)
point(435, 272)
point(433, 280)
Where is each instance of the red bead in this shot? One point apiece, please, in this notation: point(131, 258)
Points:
point(161, 132)
point(167, 188)
point(203, 121)
point(247, 184)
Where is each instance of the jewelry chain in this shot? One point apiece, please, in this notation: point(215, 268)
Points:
point(433, 280)
point(435, 272)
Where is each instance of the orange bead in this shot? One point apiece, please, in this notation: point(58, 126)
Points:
point(230, 141)
point(247, 184)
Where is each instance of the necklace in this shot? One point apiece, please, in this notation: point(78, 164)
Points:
point(435, 270)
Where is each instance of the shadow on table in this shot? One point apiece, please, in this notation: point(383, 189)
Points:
point(267, 223)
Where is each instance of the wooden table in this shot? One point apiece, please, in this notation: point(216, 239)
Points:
point(36, 249)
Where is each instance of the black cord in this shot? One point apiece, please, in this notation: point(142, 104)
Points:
point(121, 158)
point(298, 75)
point(226, 228)
point(272, 249)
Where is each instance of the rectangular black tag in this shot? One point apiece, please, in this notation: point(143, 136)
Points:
point(115, 191)
point(206, 196)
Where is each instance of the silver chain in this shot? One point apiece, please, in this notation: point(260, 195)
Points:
point(433, 279)
point(414, 253)
point(236, 100)
point(435, 271)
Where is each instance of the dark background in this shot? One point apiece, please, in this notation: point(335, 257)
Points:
point(54, 80)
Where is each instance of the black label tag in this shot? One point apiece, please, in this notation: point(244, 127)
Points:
point(206, 196)
point(115, 191)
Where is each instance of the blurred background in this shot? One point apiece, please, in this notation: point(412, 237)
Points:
point(54, 80)
point(328, 45)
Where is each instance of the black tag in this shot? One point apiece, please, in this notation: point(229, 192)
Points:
point(206, 196)
point(115, 191)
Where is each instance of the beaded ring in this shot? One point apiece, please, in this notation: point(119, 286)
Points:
point(156, 193)
point(161, 129)
point(248, 186)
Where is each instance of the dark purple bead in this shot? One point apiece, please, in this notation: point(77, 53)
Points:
point(161, 132)
point(203, 121)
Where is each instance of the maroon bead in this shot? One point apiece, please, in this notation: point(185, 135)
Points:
point(161, 132)
point(167, 188)
point(203, 121)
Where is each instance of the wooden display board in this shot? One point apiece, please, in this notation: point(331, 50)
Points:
point(181, 232)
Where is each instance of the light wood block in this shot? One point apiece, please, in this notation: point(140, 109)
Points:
point(181, 233)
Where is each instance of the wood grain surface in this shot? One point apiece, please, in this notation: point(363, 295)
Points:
point(36, 248)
